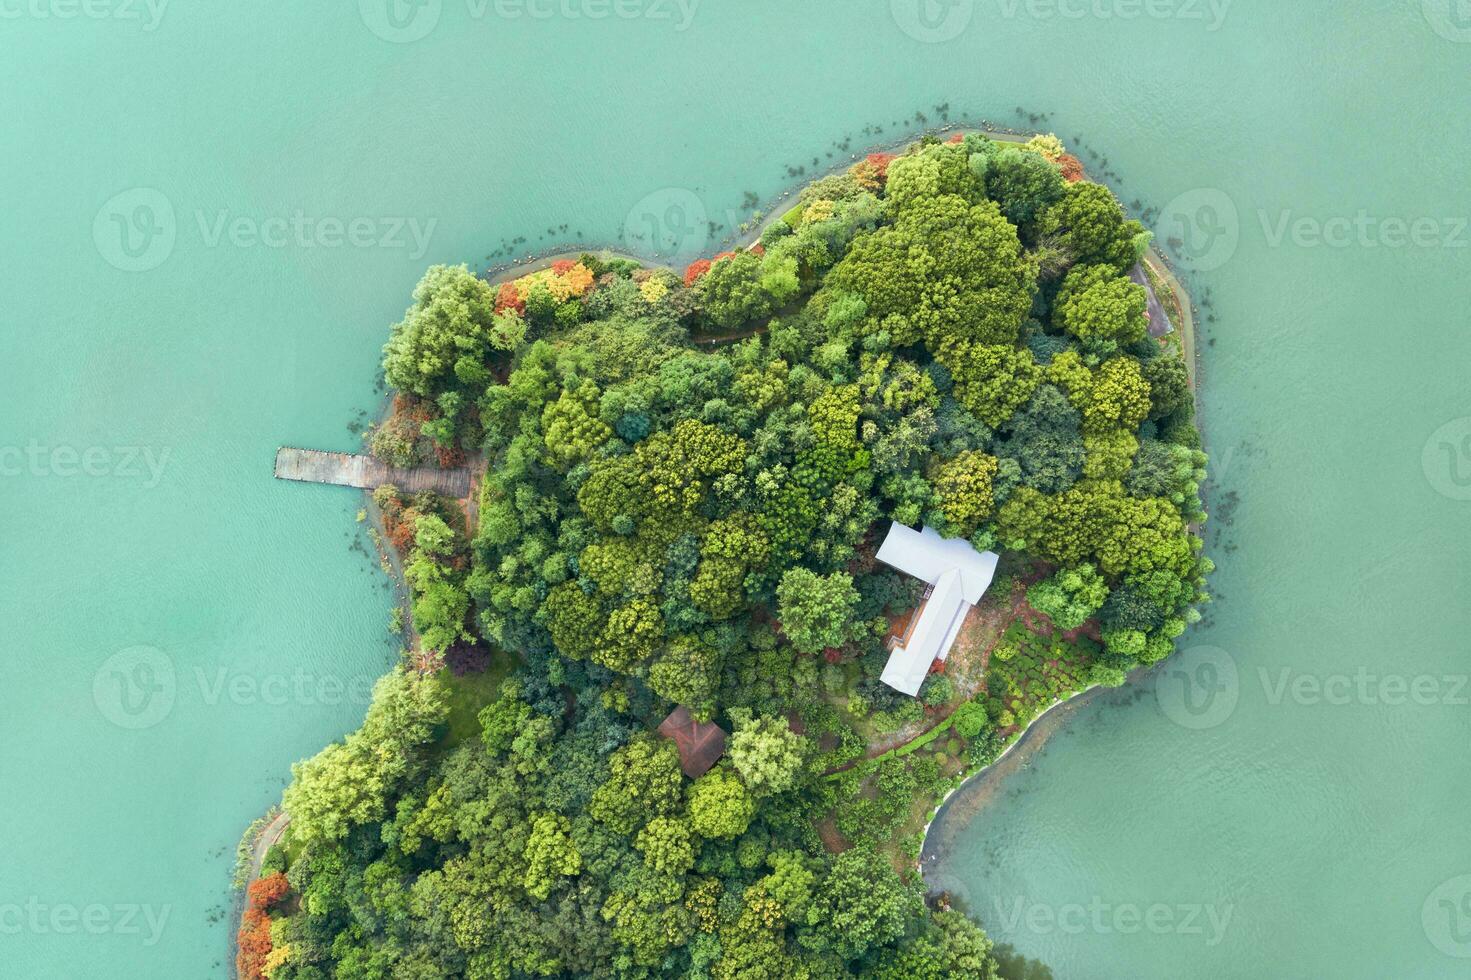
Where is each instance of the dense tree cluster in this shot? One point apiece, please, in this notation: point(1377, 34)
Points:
point(946, 337)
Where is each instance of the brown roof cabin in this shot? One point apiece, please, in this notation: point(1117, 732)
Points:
point(701, 744)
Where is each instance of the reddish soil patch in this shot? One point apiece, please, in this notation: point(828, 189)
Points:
point(831, 839)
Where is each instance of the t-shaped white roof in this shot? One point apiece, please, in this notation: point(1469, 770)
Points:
point(927, 556)
point(959, 576)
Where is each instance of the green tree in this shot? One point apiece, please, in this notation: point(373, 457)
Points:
point(666, 845)
point(816, 610)
point(863, 904)
point(767, 754)
point(992, 381)
point(1096, 303)
point(1023, 183)
point(1070, 596)
point(1091, 223)
point(644, 781)
point(935, 170)
point(550, 854)
point(1169, 385)
point(720, 806)
point(349, 782)
point(945, 270)
point(452, 317)
point(736, 291)
point(964, 486)
point(573, 429)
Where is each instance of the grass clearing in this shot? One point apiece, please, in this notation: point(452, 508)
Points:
point(469, 694)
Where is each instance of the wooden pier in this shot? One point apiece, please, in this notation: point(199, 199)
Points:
point(367, 473)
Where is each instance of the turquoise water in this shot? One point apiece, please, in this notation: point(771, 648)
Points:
point(179, 627)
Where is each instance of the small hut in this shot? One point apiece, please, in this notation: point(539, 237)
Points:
point(701, 744)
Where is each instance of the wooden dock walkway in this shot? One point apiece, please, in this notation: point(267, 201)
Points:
point(367, 473)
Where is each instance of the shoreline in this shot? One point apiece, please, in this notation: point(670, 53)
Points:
point(1036, 733)
point(771, 210)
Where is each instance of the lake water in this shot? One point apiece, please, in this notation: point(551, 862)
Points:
point(180, 627)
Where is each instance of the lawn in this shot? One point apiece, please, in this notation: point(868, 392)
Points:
point(468, 694)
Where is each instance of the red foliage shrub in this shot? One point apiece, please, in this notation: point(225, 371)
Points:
point(832, 655)
point(467, 658)
point(938, 667)
point(507, 298)
point(562, 266)
point(1072, 168)
point(266, 892)
point(254, 942)
point(758, 249)
point(881, 163)
point(400, 528)
point(696, 269)
point(958, 138)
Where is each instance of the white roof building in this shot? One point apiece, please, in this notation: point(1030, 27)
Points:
point(958, 575)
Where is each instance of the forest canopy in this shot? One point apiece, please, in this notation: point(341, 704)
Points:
point(948, 337)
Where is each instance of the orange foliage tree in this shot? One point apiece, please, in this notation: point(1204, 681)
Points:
point(508, 297)
point(266, 892)
point(254, 943)
point(880, 163)
point(254, 939)
point(695, 270)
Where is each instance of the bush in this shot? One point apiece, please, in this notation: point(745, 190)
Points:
point(275, 861)
point(936, 690)
point(970, 719)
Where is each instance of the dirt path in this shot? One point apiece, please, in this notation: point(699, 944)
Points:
point(269, 835)
point(265, 840)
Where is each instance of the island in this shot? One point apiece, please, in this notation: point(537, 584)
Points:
point(757, 560)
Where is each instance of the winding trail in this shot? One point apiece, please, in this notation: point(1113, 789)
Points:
point(269, 836)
